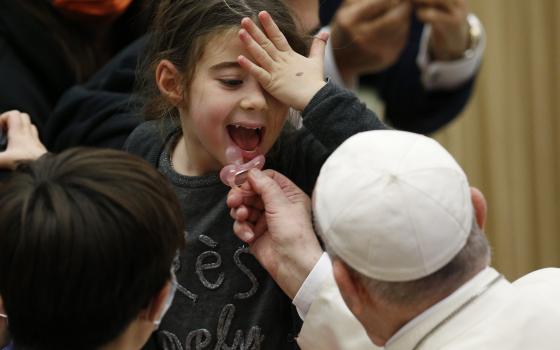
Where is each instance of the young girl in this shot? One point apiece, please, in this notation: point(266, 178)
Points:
point(229, 89)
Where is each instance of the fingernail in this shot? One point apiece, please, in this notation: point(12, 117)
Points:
point(256, 173)
point(322, 37)
point(248, 237)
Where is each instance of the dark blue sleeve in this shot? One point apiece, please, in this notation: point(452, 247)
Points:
point(102, 112)
point(33, 69)
point(408, 105)
point(20, 88)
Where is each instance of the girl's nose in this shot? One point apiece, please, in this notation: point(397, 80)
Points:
point(254, 99)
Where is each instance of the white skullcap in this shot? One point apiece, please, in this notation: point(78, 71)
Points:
point(395, 206)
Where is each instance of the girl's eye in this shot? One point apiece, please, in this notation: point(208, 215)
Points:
point(231, 82)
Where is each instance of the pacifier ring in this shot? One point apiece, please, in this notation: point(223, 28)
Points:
point(239, 178)
point(235, 175)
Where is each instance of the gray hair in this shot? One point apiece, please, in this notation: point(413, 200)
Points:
point(475, 255)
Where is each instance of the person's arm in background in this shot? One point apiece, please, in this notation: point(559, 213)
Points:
point(102, 112)
point(423, 77)
point(20, 88)
point(33, 70)
point(45, 48)
point(273, 216)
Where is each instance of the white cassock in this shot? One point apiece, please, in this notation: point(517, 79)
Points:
point(488, 312)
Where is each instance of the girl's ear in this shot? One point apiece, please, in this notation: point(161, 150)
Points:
point(168, 80)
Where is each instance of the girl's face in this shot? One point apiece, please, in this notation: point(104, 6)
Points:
point(226, 107)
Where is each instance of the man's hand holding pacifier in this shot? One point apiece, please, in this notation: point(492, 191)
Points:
point(290, 77)
point(235, 174)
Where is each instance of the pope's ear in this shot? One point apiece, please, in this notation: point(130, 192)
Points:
point(168, 80)
point(350, 288)
point(480, 207)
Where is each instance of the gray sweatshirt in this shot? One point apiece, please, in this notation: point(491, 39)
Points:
point(225, 299)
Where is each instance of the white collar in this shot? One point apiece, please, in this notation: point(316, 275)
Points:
point(411, 333)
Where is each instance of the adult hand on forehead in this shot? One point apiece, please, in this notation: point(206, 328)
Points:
point(290, 77)
point(369, 35)
point(274, 216)
point(23, 140)
point(450, 29)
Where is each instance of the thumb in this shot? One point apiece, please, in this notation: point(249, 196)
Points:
point(291, 191)
point(7, 161)
point(317, 50)
point(272, 195)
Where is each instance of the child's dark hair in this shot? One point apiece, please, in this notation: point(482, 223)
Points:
point(181, 30)
point(87, 241)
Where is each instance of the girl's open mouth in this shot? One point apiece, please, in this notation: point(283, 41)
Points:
point(245, 137)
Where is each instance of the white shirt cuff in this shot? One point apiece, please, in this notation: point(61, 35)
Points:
point(331, 69)
point(446, 75)
point(310, 288)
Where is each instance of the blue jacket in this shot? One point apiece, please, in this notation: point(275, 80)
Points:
point(409, 106)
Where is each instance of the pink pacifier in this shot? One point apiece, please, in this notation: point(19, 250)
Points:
point(236, 173)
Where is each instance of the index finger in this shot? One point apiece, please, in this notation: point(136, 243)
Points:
point(234, 198)
point(289, 188)
point(238, 197)
point(13, 120)
point(273, 32)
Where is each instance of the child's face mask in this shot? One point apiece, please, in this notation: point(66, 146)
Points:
point(93, 8)
point(169, 299)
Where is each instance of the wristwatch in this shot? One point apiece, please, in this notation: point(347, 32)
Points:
point(475, 34)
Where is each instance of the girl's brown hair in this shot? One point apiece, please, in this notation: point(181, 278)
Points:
point(181, 30)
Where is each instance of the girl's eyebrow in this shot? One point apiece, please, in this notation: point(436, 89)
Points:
point(227, 64)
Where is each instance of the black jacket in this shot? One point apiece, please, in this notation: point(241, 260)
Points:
point(408, 105)
point(36, 53)
point(101, 112)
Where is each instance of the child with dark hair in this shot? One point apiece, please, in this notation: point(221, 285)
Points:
point(221, 87)
point(87, 246)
